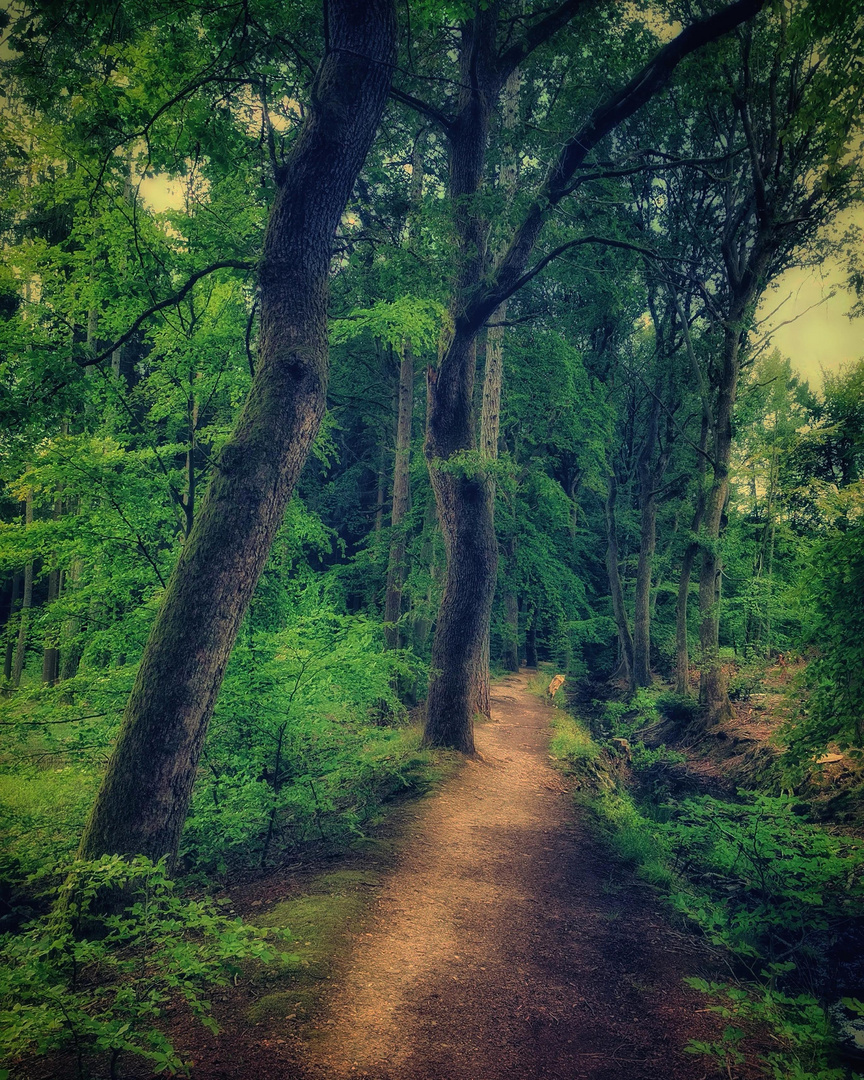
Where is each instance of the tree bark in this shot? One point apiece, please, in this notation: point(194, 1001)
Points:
point(401, 495)
point(619, 608)
point(145, 795)
point(682, 648)
point(464, 494)
point(649, 480)
point(713, 694)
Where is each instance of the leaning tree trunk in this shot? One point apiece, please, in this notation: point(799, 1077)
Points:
point(145, 795)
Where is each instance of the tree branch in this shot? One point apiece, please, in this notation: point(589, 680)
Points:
point(537, 35)
point(169, 301)
point(423, 108)
point(604, 119)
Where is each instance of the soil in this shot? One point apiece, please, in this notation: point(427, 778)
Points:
point(505, 945)
point(501, 943)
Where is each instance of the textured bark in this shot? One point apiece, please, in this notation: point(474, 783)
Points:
point(464, 496)
point(401, 495)
point(682, 648)
point(144, 798)
point(619, 608)
point(713, 694)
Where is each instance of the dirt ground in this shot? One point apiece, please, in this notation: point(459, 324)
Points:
point(504, 945)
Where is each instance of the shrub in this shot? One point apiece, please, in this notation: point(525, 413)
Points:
point(94, 984)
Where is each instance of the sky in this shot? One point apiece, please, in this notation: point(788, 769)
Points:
point(821, 337)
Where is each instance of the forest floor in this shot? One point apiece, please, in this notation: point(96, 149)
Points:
point(501, 943)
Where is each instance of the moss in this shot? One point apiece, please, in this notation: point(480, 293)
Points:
point(296, 1004)
point(320, 923)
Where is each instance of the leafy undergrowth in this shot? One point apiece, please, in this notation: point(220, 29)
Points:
point(89, 989)
point(764, 884)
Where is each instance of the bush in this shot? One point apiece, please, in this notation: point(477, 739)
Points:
point(94, 984)
point(678, 709)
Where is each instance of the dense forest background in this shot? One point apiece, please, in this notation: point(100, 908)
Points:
point(553, 405)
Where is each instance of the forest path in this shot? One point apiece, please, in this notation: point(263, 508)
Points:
point(503, 945)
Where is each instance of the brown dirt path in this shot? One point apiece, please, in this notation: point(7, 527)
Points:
point(505, 946)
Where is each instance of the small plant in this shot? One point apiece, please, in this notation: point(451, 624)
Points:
point(677, 708)
point(90, 984)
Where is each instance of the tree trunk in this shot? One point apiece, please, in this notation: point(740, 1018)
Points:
point(462, 491)
point(464, 498)
point(70, 649)
point(26, 604)
point(401, 495)
point(14, 600)
point(619, 608)
point(682, 648)
point(649, 479)
point(531, 640)
point(51, 650)
point(713, 693)
point(144, 797)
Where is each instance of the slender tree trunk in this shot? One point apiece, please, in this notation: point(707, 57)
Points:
point(713, 694)
point(26, 604)
point(649, 479)
point(396, 565)
point(642, 602)
point(401, 495)
point(531, 640)
point(619, 608)
point(144, 797)
point(510, 656)
point(51, 650)
point(14, 601)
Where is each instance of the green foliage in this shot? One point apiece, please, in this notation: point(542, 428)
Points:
point(305, 741)
point(835, 709)
point(572, 743)
point(785, 882)
point(625, 718)
point(676, 708)
point(87, 984)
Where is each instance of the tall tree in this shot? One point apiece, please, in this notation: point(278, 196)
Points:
point(460, 481)
point(143, 800)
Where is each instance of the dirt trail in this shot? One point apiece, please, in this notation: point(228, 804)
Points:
point(505, 946)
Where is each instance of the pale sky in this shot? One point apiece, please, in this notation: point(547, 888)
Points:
point(821, 338)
